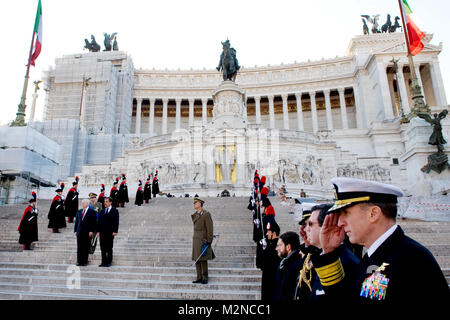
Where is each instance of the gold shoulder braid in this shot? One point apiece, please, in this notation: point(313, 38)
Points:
point(306, 272)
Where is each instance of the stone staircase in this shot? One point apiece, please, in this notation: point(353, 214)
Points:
point(152, 254)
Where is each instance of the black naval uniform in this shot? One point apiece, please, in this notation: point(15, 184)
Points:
point(408, 273)
point(317, 293)
point(270, 263)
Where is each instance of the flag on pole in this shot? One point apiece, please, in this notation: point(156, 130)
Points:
point(37, 34)
point(415, 35)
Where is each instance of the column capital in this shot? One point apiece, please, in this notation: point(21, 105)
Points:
point(257, 98)
point(165, 100)
point(178, 100)
point(191, 100)
point(341, 90)
point(139, 100)
point(284, 96)
point(327, 92)
point(270, 97)
point(152, 100)
point(298, 95)
point(205, 100)
point(312, 93)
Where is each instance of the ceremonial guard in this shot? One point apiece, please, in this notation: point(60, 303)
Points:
point(123, 191)
point(114, 194)
point(71, 202)
point(148, 190)
point(395, 268)
point(28, 226)
point(155, 185)
point(139, 195)
point(84, 228)
point(270, 262)
point(202, 240)
point(101, 196)
point(56, 213)
point(108, 228)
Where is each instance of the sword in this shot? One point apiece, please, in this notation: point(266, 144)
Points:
point(206, 248)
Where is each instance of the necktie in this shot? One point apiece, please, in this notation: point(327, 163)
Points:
point(82, 217)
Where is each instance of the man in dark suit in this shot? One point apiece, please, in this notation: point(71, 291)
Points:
point(108, 227)
point(85, 225)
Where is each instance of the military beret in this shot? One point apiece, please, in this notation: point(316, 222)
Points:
point(350, 191)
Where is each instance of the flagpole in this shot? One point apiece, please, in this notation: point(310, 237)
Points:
point(20, 115)
point(419, 104)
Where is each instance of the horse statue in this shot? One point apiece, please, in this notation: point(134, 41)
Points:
point(108, 39)
point(92, 46)
point(395, 26)
point(385, 28)
point(228, 63)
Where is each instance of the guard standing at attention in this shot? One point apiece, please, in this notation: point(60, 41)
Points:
point(202, 240)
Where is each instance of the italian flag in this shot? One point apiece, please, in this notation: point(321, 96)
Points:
point(415, 36)
point(37, 34)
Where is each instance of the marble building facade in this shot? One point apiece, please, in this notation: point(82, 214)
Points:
point(306, 122)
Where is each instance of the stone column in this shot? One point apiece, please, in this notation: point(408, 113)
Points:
point(178, 114)
point(300, 126)
point(164, 119)
point(315, 124)
point(138, 115)
point(419, 79)
point(438, 84)
point(361, 121)
point(204, 112)
point(384, 86)
point(328, 110)
point(151, 121)
point(403, 90)
point(271, 113)
point(285, 111)
point(33, 107)
point(191, 112)
point(258, 109)
point(343, 108)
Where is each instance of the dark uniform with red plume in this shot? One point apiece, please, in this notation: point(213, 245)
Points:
point(56, 214)
point(139, 195)
point(123, 192)
point(28, 227)
point(148, 190)
point(155, 185)
point(101, 196)
point(71, 202)
point(114, 194)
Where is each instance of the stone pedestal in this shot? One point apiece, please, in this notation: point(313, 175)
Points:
point(415, 136)
point(229, 106)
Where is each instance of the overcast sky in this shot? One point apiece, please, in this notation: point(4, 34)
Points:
point(187, 34)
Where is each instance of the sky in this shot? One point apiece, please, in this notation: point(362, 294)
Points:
point(184, 34)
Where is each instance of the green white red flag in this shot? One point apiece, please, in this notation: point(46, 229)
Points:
point(37, 35)
point(415, 35)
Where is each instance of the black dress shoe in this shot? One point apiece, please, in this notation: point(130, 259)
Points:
point(102, 265)
point(197, 281)
point(204, 281)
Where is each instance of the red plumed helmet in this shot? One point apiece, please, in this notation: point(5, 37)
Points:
point(263, 179)
point(34, 195)
point(265, 191)
point(76, 178)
